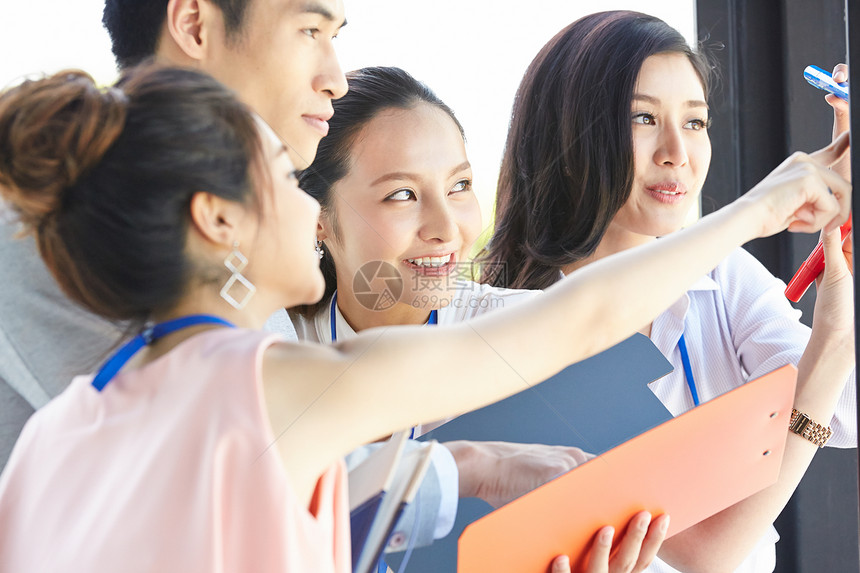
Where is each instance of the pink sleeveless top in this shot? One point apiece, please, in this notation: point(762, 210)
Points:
point(168, 469)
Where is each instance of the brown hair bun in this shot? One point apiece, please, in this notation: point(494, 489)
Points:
point(51, 132)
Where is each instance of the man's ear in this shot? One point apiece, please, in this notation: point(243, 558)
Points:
point(217, 220)
point(187, 24)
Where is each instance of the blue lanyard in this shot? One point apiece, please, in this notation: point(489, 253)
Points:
point(148, 336)
point(688, 370)
point(333, 317)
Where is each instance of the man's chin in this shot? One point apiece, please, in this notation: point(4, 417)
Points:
point(303, 157)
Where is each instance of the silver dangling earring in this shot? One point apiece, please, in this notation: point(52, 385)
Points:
point(235, 263)
point(318, 248)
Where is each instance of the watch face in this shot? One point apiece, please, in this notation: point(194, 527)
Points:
point(801, 425)
point(799, 422)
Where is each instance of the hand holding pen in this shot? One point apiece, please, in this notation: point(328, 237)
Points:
point(838, 92)
point(813, 266)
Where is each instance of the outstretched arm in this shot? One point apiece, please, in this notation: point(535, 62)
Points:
point(396, 377)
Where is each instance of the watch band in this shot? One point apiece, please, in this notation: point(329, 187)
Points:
point(804, 427)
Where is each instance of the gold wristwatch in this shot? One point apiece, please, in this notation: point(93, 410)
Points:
point(804, 427)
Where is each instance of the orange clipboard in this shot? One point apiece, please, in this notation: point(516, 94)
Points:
point(690, 467)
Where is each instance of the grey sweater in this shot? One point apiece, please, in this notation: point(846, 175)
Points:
point(45, 339)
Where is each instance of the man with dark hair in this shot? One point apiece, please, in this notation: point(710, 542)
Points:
point(277, 54)
point(134, 29)
point(135, 26)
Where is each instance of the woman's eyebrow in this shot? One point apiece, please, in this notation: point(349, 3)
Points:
point(462, 167)
point(401, 175)
point(395, 176)
point(656, 101)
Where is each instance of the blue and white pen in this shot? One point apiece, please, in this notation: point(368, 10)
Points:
point(823, 80)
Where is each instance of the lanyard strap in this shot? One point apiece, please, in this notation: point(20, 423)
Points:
point(333, 317)
point(688, 370)
point(148, 336)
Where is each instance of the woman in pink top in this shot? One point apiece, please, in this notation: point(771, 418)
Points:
point(207, 445)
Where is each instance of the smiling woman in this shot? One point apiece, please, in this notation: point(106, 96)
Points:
point(402, 198)
point(421, 219)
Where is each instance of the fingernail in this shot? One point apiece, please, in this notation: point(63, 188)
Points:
point(606, 535)
point(643, 521)
point(664, 525)
point(563, 561)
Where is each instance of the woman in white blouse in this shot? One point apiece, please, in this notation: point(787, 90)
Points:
point(608, 149)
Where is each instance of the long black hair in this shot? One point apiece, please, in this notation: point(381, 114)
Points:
point(568, 162)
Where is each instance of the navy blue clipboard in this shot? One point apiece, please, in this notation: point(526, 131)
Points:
point(595, 404)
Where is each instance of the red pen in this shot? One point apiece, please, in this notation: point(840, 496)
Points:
point(810, 269)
